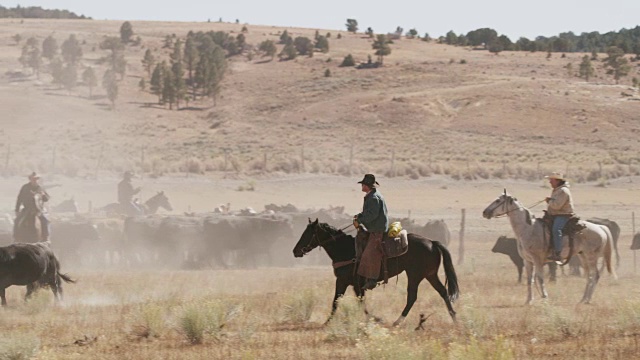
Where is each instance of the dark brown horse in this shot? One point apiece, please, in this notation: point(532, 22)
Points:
point(421, 261)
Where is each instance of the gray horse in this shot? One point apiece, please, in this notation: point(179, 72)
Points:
point(593, 242)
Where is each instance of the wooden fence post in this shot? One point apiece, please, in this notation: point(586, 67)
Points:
point(393, 163)
point(633, 234)
point(461, 248)
point(7, 158)
point(302, 159)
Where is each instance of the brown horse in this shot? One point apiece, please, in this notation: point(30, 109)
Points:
point(421, 261)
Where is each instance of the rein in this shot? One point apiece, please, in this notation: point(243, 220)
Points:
point(517, 208)
point(329, 239)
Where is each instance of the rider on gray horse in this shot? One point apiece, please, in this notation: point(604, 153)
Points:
point(126, 191)
point(28, 204)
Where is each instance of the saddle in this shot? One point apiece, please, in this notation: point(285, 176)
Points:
point(573, 226)
point(395, 246)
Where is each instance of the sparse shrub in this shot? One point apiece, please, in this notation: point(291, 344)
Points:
point(349, 321)
point(475, 350)
point(327, 73)
point(149, 321)
point(348, 61)
point(192, 165)
point(205, 318)
point(18, 346)
point(298, 308)
point(249, 186)
point(463, 61)
point(391, 347)
point(38, 302)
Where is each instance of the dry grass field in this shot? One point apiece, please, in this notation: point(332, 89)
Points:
point(278, 313)
point(459, 132)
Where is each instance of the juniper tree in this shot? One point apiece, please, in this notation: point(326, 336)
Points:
point(110, 85)
point(126, 32)
point(191, 56)
point(268, 48)
point(303, 45)
point(381, 46)
point(70, 76)
point(49, 48)
point(89, 79)
point(616, 63)
point(289, 52)
point(322, 44)
point(156, 82)
point(71, 50)
point(586, 69)
point(348, 61)
point(352, 25)
point(148, 61)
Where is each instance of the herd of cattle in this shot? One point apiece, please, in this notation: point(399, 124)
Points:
point(220, 239)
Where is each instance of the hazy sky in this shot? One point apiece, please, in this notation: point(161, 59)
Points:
point(514, 18)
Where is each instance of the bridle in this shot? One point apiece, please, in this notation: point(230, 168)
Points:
point(519, 207)
point(312, 245)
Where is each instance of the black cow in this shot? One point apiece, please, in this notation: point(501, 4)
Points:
point(509, 246)
point(74, 240)
point(30, 265)
point(635, 244)
point(245, 238)
point(433, 229)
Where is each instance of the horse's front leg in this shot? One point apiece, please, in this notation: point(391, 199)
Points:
point(528, 265)
point(341, 287)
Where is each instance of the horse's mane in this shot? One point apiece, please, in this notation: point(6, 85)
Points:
point(331, 230)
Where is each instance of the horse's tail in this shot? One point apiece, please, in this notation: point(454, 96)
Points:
point(451, 279)
point(66, 278)
point(608, 251)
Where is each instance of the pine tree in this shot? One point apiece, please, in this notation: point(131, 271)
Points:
point(126, 32)
point(285, 38)
point(49, 48)
point(303, 45)
point(89, 79)
point(352, 25)
point(148, 61)
point(157, 80)
point(617, 64)
point(71, 50)
point(289, 52)
point(191, 56)
point(268, 48)
point(382, 48)
point(69, 76)
point(322, 44)
point(348, 61)
point(110, 85)
point(586, 69)
point(56, 67)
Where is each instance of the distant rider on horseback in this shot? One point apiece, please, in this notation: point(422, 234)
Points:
point(27, 204)
point(375, 221)
point(126, 191)
point(561, 208)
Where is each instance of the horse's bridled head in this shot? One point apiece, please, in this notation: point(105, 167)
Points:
point(304, 244)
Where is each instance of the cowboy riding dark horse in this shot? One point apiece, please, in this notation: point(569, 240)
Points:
point(29, 207)
point(372, 224)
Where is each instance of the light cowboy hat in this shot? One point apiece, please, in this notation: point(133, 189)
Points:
point(556, 176)
point(33, 176)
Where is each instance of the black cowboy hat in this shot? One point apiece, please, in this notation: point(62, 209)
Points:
point(369, 180)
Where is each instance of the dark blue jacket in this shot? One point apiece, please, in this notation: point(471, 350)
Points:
point(374, 213)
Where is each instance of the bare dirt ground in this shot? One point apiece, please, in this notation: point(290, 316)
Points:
point(515, 116)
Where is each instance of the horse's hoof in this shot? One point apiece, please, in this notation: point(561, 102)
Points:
point(399, 321)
